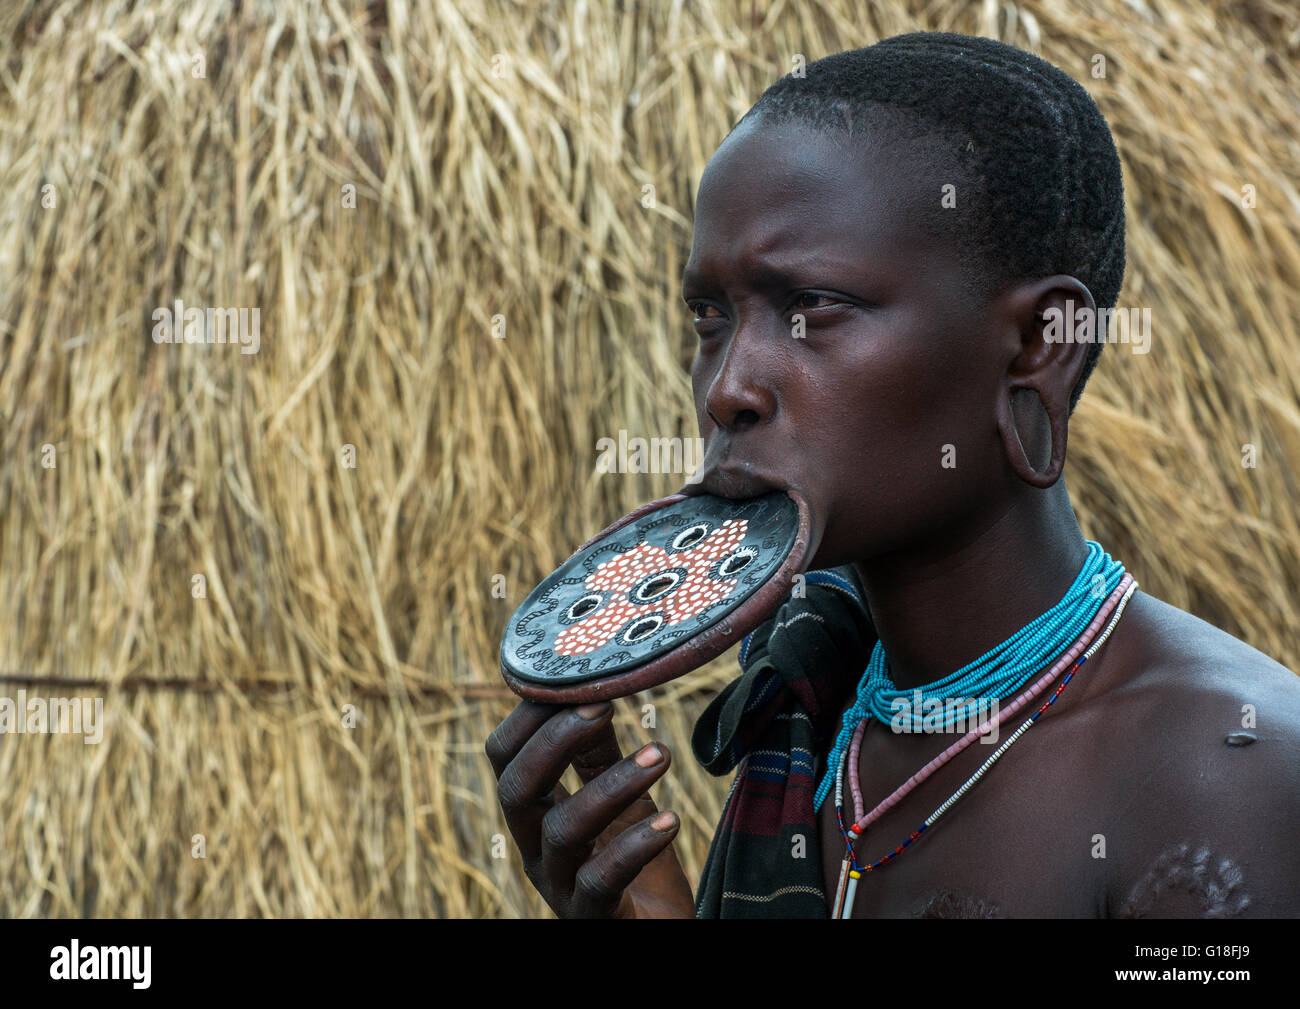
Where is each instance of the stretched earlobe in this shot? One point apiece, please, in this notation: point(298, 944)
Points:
point(1041, 363)
point(1015, 448)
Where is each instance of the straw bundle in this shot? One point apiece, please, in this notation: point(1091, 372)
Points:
point(440, 211)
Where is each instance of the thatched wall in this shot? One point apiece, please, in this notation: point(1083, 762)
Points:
point(200, 152)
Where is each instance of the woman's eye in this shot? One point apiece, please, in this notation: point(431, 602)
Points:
point(701, 309)
point(810, 299)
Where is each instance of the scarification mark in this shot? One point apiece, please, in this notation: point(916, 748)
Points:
point(1181, 869)
point(949, 904)
point(1240, 738)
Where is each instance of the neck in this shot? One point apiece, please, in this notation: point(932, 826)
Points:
point(936, 608)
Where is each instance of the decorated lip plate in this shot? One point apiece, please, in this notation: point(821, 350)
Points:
point(666, 574)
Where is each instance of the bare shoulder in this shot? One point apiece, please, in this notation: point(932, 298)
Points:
point(1192, 678)
point(1207, 805)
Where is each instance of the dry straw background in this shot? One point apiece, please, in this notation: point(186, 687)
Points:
point(479, 195)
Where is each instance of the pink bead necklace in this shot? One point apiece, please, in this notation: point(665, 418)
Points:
point(1076, 656)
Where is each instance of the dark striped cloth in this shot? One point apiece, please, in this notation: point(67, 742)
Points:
point(798, 670)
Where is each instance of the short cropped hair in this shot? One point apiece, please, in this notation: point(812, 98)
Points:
point(1042, 189)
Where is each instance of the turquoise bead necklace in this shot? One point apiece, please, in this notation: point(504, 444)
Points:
point(998, 673)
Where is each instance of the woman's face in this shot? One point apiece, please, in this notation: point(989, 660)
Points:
point(880, 409)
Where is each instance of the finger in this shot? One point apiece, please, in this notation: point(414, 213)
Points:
point(515, 730)
point(598, 754)
point(571, 826)
point(599, 884)
point(525, 787)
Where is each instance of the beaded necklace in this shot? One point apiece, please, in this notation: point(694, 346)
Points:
point(998, 673)
point(850, 870)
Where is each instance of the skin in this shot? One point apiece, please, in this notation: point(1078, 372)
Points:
point(898, 360)
point(595, 853)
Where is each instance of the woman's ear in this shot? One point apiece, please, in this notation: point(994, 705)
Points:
point(1048, 343)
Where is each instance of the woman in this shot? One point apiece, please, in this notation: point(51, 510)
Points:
point(885, 249)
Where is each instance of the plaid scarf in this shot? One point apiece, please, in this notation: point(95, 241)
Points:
point(798, 670)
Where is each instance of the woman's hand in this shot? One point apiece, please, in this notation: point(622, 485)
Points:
point(604, 851)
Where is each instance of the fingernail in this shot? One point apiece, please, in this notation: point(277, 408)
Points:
point(592, 711)
point(649, 756)
point(664, 821)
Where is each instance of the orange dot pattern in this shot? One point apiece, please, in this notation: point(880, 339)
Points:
point(692, 595)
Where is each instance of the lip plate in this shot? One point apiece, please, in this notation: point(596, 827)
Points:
point(535, 671)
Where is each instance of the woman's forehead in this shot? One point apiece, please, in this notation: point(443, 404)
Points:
point(788, 191)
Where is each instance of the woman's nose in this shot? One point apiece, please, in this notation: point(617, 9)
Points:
point(741, 395)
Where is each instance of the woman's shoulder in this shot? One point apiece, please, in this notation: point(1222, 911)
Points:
point(1204, 734)
point(1186, 662)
